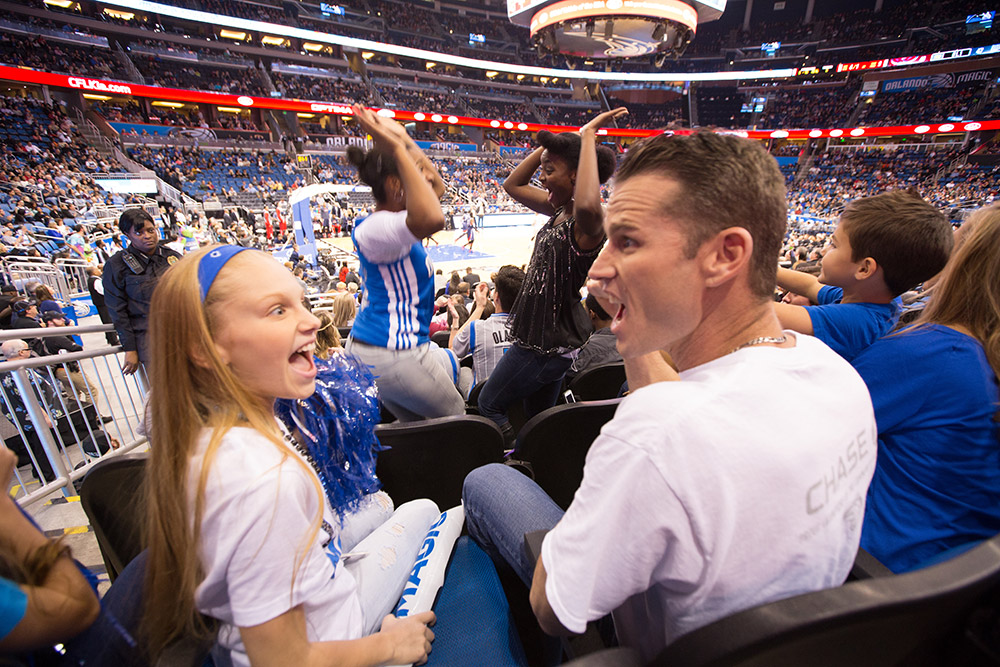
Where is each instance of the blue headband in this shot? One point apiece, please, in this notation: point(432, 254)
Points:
point(211, 263)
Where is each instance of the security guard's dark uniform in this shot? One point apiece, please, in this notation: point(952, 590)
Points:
point(129, 279)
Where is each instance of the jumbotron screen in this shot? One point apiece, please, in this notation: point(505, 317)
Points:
point(521, 12)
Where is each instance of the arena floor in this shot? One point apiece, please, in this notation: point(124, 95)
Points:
point(493, 248)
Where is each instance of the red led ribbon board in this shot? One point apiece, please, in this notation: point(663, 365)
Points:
point(100, 86)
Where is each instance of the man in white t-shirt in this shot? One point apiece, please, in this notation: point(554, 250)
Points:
point(698, 499)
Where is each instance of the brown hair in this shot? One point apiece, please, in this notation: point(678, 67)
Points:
point(969, 291)
point(345, 308)
point(43, 293)
point(192, 389)
point(905, 235)
point(33, 568)
point(725, 181)
point(327, 336)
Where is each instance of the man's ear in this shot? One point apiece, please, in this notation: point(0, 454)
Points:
point(725, 255)
point(866, 268)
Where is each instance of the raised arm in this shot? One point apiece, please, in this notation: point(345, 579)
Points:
point(587, 207)
point(518, 185)
point(423, 210)
point(795, 318)
point(803, 284)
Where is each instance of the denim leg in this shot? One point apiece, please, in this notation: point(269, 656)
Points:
point(547, 394)
point(371, 513)
point(501, 505)
point(519, 374)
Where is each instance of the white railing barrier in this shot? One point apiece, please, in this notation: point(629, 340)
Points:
point(63, 413)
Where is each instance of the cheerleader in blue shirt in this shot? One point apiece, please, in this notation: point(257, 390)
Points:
point(416, 379)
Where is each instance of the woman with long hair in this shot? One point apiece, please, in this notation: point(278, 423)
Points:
point(416, 379)
point(547, 321)
point(936, 489)
point(245, 527)
point(345, 310)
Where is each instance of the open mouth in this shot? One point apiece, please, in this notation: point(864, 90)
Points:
point(619, 317)
point(302, 360)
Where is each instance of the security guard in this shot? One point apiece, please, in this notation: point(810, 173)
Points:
point(129, 279)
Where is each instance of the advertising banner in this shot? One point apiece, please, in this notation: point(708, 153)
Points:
point(445, 146)
point(944, 80)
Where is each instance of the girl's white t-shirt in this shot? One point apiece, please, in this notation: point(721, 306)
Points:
point(255, 548)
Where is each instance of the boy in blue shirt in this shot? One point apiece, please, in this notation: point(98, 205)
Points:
point(883, 246)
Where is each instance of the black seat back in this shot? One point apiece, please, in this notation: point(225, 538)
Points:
point(556, 443)
point(113, 497)
point(430, 458)
point(441, 338)
point(599, 382)
point(917, 618)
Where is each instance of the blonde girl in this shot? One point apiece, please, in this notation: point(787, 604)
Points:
point(243, 544)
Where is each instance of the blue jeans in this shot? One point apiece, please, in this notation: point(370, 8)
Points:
point(501, 505)
point(522, 374)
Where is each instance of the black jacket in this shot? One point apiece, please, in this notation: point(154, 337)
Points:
point(128, 291)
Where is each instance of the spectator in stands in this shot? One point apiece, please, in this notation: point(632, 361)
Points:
point(130, 277)
point(95, 285)
point(345, 310)
point(416, 379)
point(47, 599)
point(883, 246)
point(692, 513)
point(327, 337)
point(46, 300)
point(8, 296)
point(230, 336)
point(15, 410)
point(936, 490)
point(600, 347)
point(547, 322)
point(74, 380)
point(487, 340)
point(470, 277)
point(26, 317)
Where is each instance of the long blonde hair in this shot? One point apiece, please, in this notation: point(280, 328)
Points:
point(345, 309)
point(191, 389)
point(969, 291)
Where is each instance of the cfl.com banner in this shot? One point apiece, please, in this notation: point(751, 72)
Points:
point(947, 80)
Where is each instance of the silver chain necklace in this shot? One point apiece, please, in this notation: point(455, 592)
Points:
point(760, 341)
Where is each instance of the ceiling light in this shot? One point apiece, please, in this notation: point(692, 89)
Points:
point(273, 41)
point(91, 96)
point(238, 35)
point(230, 109)
point(312, 46)
point(172, 105)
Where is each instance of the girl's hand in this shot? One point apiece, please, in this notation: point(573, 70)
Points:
point(603, 119)
point(384, 131)
point(409, 637)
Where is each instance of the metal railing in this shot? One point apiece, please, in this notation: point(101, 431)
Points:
point(22, 271)
point(63, 413)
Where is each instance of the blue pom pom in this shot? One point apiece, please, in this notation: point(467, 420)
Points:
point(337, 425)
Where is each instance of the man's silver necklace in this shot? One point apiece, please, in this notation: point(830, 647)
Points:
point(763, 340)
